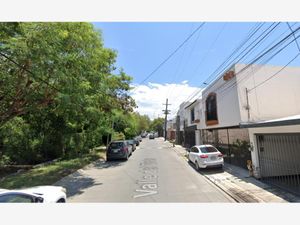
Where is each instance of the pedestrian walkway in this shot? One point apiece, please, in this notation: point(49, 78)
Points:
point(237, 183)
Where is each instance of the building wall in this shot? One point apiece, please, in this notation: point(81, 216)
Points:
point(266, 130)
point(278, 97)
point(227, 104)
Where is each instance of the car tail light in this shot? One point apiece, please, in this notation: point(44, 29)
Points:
point(220, 155)
point(124, 149)
point(203, 156)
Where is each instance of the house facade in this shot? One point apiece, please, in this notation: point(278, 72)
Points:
point(181, 121)
point(251, 113)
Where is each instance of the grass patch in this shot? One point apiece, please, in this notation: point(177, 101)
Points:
point(49, 174)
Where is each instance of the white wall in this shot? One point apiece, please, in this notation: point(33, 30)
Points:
point(197, 112)
point(182, 113)
point(227, 103)
point(278, 97)
point(266, 130)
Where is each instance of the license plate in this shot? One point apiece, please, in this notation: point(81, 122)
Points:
point(116, 150)
point(213, 158)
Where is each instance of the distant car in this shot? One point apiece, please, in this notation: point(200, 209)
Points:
point(139, 138)
point(151, 136)
point(144, 135)
point(137, 141)
point(38, 194)
point(118, 150)
point(204, 156)
point(133, 144)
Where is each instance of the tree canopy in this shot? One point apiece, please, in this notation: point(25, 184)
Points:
point(59, 90)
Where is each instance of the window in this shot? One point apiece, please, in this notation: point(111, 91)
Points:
point(211, 109)
point(192, 115)
point(194, 149)
point(11, 198)
point(116, 145)
point(208, 149)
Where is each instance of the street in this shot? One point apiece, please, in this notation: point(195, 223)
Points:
point(154, 173)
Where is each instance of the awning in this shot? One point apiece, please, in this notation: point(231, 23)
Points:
point(285, 121)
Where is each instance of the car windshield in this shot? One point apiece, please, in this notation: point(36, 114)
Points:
point(208, 149)
point(116, 144)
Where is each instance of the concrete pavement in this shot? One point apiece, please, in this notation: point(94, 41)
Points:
point(154, 173)
point(236, 182)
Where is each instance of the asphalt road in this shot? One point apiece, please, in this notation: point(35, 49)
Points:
point(154, 173)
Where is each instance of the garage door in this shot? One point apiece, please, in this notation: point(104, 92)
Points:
point(279, 159)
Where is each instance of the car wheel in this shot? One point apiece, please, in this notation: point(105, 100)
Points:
point(196, 165)
point(61, 200)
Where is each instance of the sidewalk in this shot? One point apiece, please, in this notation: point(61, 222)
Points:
point(235, 181)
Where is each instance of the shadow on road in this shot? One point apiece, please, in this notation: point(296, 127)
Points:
point(108, 164)
point(76, 183)
point(207, 171)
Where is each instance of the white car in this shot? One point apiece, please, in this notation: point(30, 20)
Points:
point(204, 156)
point(38, 194)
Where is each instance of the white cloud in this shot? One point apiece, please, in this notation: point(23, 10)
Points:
point(185, 82)
point(150, 98)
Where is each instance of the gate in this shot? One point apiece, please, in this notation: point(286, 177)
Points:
point(279, 160)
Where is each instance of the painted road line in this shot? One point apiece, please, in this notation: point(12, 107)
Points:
point(148, 182)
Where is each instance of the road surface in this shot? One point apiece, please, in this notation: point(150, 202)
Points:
point(154, 173)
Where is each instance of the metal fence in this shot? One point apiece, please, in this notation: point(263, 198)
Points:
point(279, 160)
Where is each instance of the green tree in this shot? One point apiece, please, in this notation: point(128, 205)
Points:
point(60, 80)
point(157, 125)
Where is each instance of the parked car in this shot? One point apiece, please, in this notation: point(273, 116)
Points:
point(137, 142)
point(133, 144)
point(151, 136)
point(38, 194)
point(204, 156)
point(139, 138)
point(118, 150)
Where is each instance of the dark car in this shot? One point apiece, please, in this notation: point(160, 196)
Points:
point(137, 142)
point(132, 143)
point(151, 136)
point(118, 150)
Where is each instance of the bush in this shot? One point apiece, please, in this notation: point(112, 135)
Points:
point(18, 144)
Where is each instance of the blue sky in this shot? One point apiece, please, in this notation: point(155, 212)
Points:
point(142, 46)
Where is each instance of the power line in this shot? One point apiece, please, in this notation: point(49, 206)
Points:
point(203, 59)
point(173, 53)
point(293, 59)
point(193, 95)
point(251, 33)
point(272, 56)
point(262, 38)
point(177, 72)
point(23, 67)
point(294, 36)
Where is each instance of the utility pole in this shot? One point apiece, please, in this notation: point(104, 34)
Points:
point(166, 112)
